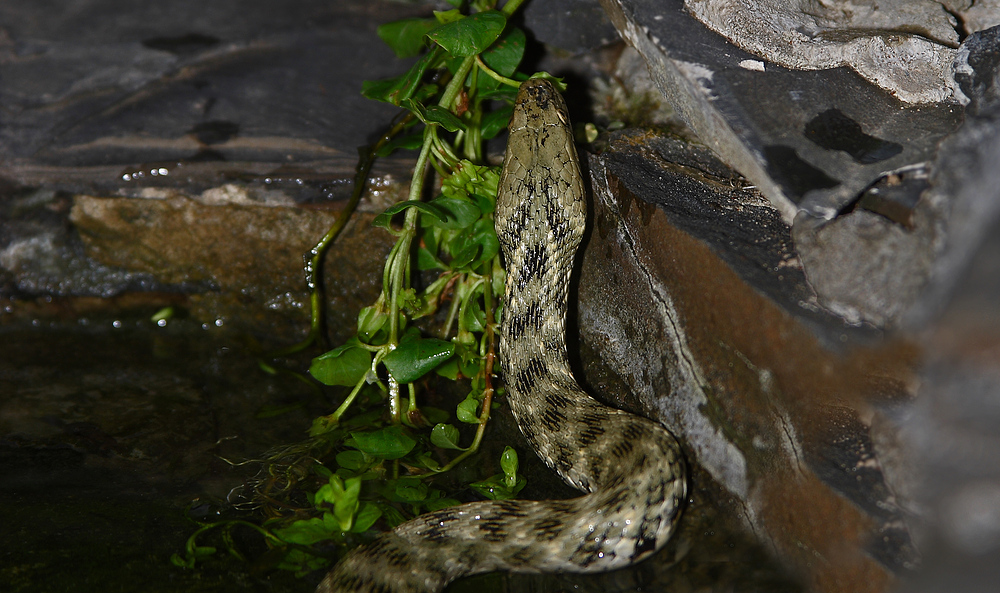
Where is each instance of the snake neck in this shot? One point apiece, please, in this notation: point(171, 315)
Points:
point(540, 219)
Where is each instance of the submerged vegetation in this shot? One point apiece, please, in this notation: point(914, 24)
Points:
point(384, 454)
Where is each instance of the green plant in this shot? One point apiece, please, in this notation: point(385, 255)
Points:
point(379, 458)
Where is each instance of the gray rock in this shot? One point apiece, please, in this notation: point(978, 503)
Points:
point(100, 92)
point(954, 425)
point(811, 140)
point(694, 310)
point(904, 47)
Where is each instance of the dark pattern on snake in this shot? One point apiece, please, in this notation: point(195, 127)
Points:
point(630, 467)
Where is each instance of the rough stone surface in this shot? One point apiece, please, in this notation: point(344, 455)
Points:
point(905, 47)
point(867, 267)
point(250, 256)
point(105, 99)
point(976, 15)
point(810, 140)
point(953, 426)
point(571, 25)
point(891, 256)
point(770, 396)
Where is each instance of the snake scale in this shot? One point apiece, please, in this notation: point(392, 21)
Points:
point(630, 467)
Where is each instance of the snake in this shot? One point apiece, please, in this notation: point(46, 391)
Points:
point(630, 468)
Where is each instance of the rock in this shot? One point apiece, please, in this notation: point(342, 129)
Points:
point(904, 47)
point(811, 140)
point(101, 85)
point(232, 123)
point(249, 256)
point(764, 344)
point(575, 26)
point(887, 260)
point(953, 426)
point(693, 299)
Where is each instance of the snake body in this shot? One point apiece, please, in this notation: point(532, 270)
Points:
point(630, 467)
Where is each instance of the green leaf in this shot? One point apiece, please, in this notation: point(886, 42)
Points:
point(427, 261)
point(459, 213)
point(466, 411)
point(471, 35)
point(178, 561)
point(508, 463)
point(379, 90)
point(495, 122)
point(486, 203)
point(344, 365)
point(503, 92)
point(449, 369)
point(470, 364)
point(441, 503)
point(434, 415)
point(343, 496)
point(411, 491)
point(431, 237)
point(473, 316)
point(353, 460)
point(426, 460)
point(443, 117)
point(498, 282)
point(368, 514)
point(163, 315)
point(406, 37)
point(505, 55)
point(383, 220)
point(434, 114)
point(390, 442)
point(475, 245)
point(371, 321)
point(415, 357)
point(408, 142)
point(446, 437)
point(399, 89)
point(494, 488)
point(392, 515)
point(449, 16)
point(304, 531)
point(474, 183)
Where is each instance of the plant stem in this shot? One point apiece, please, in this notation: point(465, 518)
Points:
point(511, 6)
point(484, 414)
point(312, 260)
point(397, 267)
point(457, 83)
point(496, 76)
point(347, 402)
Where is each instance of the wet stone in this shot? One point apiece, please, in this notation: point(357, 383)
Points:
point(250, 256)
point(694, 311)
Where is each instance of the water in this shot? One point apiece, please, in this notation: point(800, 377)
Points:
point(111, 428)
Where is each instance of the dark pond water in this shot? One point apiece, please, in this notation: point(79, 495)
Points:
point(110, 427)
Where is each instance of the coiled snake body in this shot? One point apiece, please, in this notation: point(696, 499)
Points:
point(630, 467)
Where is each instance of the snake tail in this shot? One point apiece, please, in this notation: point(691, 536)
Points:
point(630, 468)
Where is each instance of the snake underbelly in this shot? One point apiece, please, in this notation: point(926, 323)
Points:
point(629, 466)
